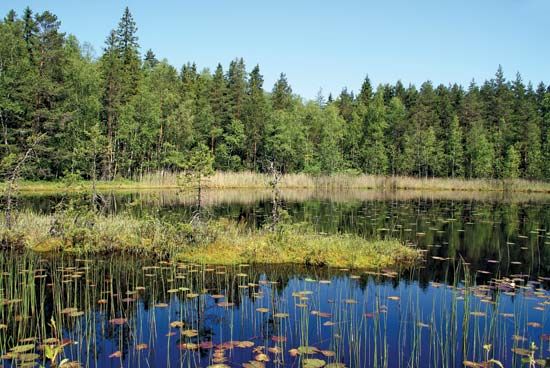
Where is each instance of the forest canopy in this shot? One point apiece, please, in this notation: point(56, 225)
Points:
point(125, 113)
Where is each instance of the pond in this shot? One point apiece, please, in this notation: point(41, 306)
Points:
point(481, 294)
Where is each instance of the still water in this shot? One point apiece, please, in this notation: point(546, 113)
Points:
point(481, 294)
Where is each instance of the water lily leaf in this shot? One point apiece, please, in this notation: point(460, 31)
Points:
point(140, 347)
point(177, 324)
point(261, 357)
point(190, 333)
point(188, 346)
point(280, 315)
point(244, 344)
point(313, 363)
point(118, 321)
point(116, 354)
point(307, 350)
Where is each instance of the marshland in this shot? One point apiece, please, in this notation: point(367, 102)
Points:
point(473, 290)
point(161, 212)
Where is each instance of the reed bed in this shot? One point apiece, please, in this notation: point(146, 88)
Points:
point(337, 181)
point(139, 313)
point(334, 182)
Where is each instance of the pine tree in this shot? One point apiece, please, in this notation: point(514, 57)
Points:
point(256, 112)
point(218, 100)
point(50, 61)
point(110, 67)
point(236, 85)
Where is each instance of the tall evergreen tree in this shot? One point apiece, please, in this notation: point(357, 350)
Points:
point(110, 67)
point(256, 113)
point(281, 97)
point(365, 95)
point(236, 85)
point(150, 60)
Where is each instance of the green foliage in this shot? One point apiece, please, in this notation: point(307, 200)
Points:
point(454, 150)
point(511, 164)
point(120, 115)
point(197, 167)
point(479, 152)
point(374, 156)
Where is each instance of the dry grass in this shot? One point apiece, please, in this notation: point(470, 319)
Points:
point(251, 180)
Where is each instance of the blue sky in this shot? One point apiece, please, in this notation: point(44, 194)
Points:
point(330, 44)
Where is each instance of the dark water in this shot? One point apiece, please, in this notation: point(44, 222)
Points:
point(493, 291)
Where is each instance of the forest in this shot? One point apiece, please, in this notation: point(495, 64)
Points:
point(125, 112)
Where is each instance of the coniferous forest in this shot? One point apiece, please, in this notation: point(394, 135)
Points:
point(125, 112)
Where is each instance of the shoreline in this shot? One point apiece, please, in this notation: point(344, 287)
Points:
point(250, 180)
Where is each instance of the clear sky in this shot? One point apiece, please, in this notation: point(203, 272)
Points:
point(329, 44)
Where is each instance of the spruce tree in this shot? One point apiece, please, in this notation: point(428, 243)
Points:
point(150, 60)
point(236, 85)
point(281, 96)
point(365, 95)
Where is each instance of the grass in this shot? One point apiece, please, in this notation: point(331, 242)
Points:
point(251, 180)
point(218, 242)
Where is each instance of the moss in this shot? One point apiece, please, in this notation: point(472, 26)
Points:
point(302, 248)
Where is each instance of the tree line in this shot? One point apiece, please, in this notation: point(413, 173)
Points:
point(122, 115)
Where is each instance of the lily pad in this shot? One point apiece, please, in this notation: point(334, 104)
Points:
point(307, 350)
point(313, 363)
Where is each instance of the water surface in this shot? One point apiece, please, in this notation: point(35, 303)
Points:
point(484, 282)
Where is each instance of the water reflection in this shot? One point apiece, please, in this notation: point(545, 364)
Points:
point(131, 313)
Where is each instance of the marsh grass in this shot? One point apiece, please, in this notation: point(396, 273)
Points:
point(216, 242)
point(251, 180)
